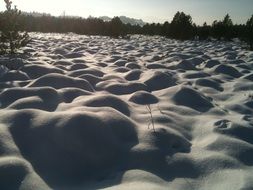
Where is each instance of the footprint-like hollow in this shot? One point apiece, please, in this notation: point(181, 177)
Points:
point(236, 130)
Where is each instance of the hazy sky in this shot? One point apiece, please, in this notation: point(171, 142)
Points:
point(148, 10)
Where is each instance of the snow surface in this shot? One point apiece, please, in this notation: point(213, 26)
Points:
point(74, 114)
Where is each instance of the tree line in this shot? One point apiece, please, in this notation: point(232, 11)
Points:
point(181, 27)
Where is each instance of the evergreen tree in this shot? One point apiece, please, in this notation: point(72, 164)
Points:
point(181, 26)
point(116, 27)
point(217, 29)
point(166, 29)
point(11, 39)
point(249, 32)
point(227, 28)
point(223, 29)
point(203, 32)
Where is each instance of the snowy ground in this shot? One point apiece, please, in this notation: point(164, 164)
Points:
point(75, 115)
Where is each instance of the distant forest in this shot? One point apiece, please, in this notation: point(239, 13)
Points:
point(181, 27)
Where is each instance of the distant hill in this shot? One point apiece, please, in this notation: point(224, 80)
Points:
point(35, 14)
point(105, 18)
point(125, 20)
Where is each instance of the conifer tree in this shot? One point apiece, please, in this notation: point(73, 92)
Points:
point(249, 35)
point(181, 26)
point(116, 27)
point(227, 27)
point(11, 38)
point(203, 31)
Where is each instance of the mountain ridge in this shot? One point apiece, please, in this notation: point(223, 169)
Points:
point(125, 20)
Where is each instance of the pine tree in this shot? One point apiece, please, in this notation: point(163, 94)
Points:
point(166, 29)
point(181, 26)
point(116, 27)
point(11, 38)
point(203, 31)
point(249, 32)
point(227, 27)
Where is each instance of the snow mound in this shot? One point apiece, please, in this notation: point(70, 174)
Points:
point(58, 81)
point(36, 71)
point(14, 76)
point(186, 65)
point(143, 98)
point(191, 98)
point(122, 88)
point(63, 143)
point(109, 101)
point(228, 70)
point(160, 80)
point(209, 83)
point(133, 75)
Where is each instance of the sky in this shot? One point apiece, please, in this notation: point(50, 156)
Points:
point(147, 10)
